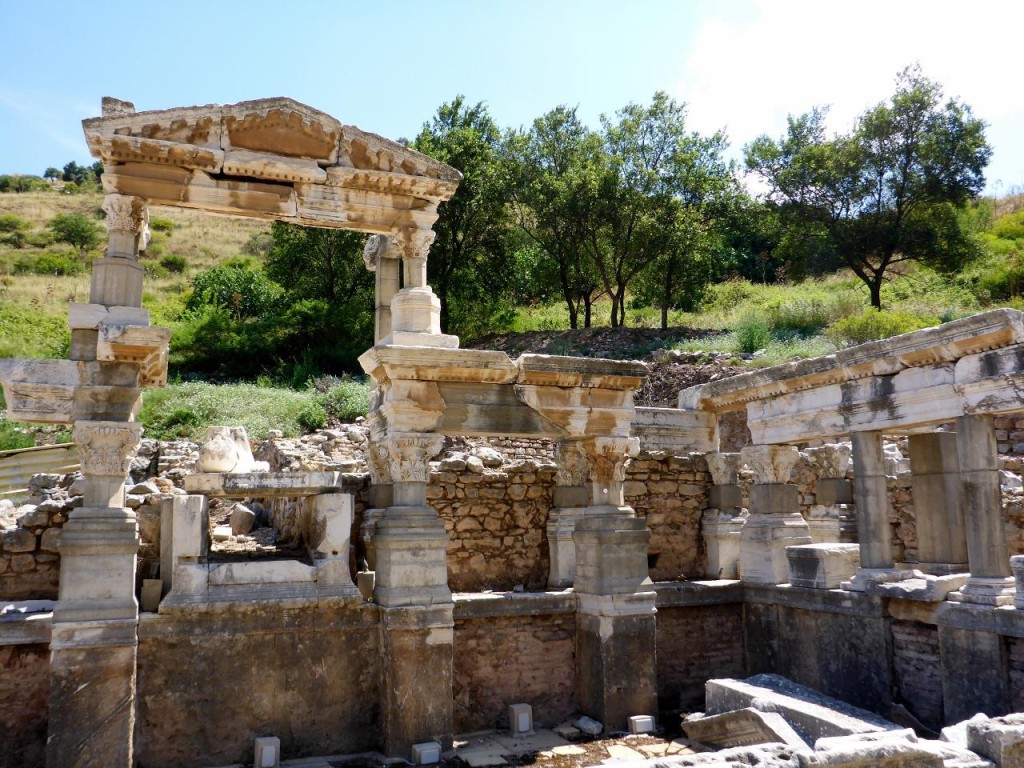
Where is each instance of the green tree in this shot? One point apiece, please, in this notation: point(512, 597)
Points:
point(52, 174)
point(318, 263)
point(468, 260)
point(555, 170)
point(655, 168)
point(77, 229)
point(79, 174)
point(887, 192)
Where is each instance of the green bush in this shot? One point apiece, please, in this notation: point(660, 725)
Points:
point(14, 436)
point(161, 225)
point(52, 263)
point(41, 239)
point(242, 289)
point(174, 263)
point(10, 222)
point(753, 333)
point(312, 417)
point(76, 229)
point(872, 324)
point(347, 400)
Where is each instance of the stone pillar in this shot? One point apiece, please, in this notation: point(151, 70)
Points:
point(589, 482)
point(411, 587)
point(381, 259)
point(774, 521)
point(990, 581)
point(615, 620)
point(723, 520)
point(938, 504)
point(872, 498)
point(93, 645)
point(831, 518)
point(415, 309)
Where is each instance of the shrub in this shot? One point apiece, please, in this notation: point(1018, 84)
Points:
point(10, 222)
point(52, 263)
point(752, 334)
point(76, 229)
point(312, 417)
point(871, 325)
point(174, 263)
point(14, 436)
point(243, 290)
point(161, 225)
point(347, 400)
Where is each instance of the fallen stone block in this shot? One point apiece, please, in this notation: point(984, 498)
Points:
point(957, 733)
point(889, 754)
point(589, 726)
point(813, 714)
point(1000, 739)
point(822, 566)
point(741, 728)
point(242, 520)
point(951, 755)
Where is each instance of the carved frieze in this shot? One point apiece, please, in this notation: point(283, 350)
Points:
point(107, 447)
point(595, 459)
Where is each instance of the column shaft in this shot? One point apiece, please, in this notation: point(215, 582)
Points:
point(872, 499)
point(938, 503)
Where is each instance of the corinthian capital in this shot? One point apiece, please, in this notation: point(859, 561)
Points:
point(408, 454)
point(126, 214)
point(107, 447)
point(772, 464)
point(724, 467)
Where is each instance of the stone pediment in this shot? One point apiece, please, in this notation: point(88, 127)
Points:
point(270, 158)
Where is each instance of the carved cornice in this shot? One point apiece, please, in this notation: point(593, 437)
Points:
point(107, 447)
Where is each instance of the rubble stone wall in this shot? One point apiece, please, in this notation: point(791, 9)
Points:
point(208, 685)
point(24, 693)
point(670, 492)
point(1015, 662)
point(29, 562)
point(696, 643)
point(917, 670)
point(495, 519)
point(514, 659)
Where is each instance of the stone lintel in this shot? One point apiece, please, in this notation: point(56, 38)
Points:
point(244, 485)
point(106, 633)
point(485, 605)
point(676, 431)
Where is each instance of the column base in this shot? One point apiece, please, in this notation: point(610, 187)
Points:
point(868, 576)
point(561, 524)
point(981, 591)
point(92, 694)
point(411, 548)
point(417, 703)
point(763, 542)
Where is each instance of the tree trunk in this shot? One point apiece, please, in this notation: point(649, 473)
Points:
point(875, 286)
point(588, 305)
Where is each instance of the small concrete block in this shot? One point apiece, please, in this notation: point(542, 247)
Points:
point(426, 753)
point(641, 724)
point(151, 590)
point(267, 752)
point(221, 532)
point(520, 719)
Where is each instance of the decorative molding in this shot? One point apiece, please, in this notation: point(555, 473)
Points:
point(126, 213)
point(408, 455)
point(772, 464)
point(830, 461)
point(107, 447)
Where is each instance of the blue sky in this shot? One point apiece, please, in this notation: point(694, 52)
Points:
point(386, 65)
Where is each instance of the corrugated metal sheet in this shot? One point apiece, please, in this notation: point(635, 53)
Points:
point(17, 467)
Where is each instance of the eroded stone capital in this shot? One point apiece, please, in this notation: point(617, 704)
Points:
point(407, 455)
point(829, 461)
point(126, 213)
point(724, 467)
point(573, 465)
point(107, 447)
point(772, 464)
point(414, 243)
point(594, 459)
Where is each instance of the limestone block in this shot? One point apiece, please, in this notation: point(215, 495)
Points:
point(763, 543)
point(829, 462)
point(721, 531)
point(560, 526)
point(263, 165)
point(813, 714)
point(724, 469)
point(242, 520)
point(40, 390)
point(741, 728)
point(1001, 739)
point(116, 281)
point(676, 431)
point(833, 491)
point(1017, 566)
point(611, 555)
point(149, 600)
point(895, 754)
point(822, 566)
point(189, 528)
point(260, 572)
point(245, 485)
point(589, 372)
point(92, 316)
point(18, 540)
point(267, 752)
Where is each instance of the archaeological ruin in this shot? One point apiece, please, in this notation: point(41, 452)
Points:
point(499, 533)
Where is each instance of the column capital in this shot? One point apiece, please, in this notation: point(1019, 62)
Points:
point(126, 213)
point(724, 467)
point(406, 455)
point(772, 464)
point(106, 448)
point(413, 243)
point(830, 461)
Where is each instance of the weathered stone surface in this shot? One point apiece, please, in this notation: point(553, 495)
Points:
point(242, 519)
point(822, 566)
point(813, 714)
point(741, 728)
point(1001, 739)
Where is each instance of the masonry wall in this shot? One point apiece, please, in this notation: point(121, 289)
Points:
point(917, 671)
point(209, 684)
point(695, 644)
point(514, 659)
point(24, 697)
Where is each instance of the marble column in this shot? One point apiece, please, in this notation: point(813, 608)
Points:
point(589, 482)
point(93, 642)
point(871, 495)
point(990, 581)
point(938, 504)
point(411, 548)
point(774, 521)
point(722, 522)
point(415, 309)
point(380, 257)
point(615, 620)
point(831, 518)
